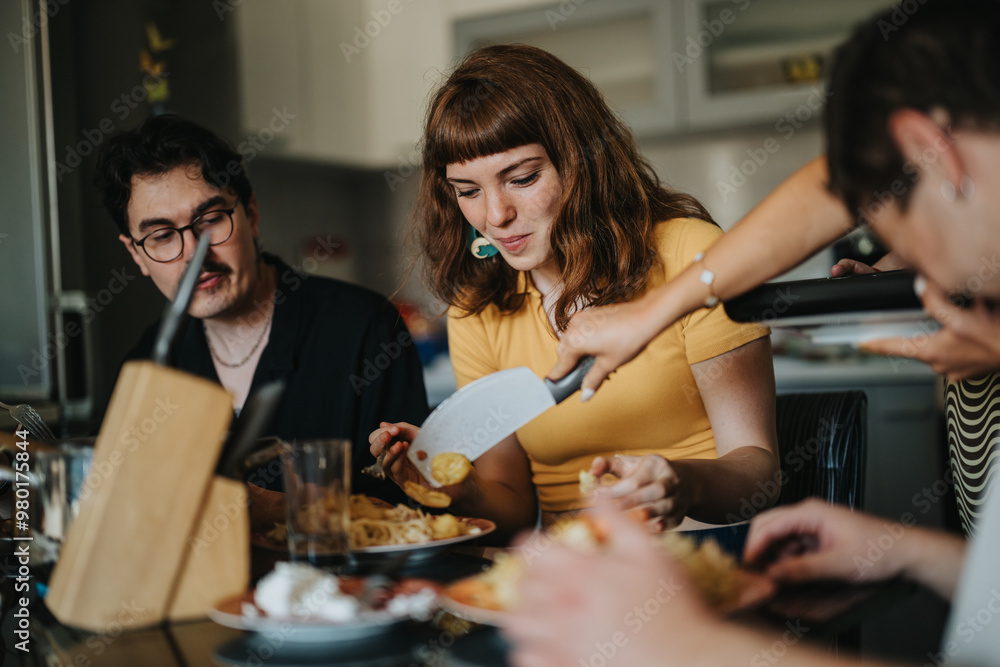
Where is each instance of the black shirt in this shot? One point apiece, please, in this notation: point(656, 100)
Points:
point(347, 359)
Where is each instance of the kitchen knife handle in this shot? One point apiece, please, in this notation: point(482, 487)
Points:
point(563, 387)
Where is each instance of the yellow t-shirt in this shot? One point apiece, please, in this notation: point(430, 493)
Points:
point(650, 406)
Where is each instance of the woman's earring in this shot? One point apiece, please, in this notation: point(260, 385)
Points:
point(948, 191)
point(479, 246)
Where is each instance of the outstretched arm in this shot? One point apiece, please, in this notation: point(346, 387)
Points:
point(792, 223)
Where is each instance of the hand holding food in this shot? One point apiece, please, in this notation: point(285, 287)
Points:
point(649, 484)
point(590, 483)
point(392, 441)
point(450, 469)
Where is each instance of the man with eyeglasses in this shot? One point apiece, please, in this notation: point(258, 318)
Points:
point(253, 318)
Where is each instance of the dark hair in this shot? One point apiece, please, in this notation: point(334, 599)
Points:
point(506, 96)
point(161, 144)
point(941, 54)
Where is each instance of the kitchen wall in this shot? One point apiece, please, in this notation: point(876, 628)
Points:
point(720, 169)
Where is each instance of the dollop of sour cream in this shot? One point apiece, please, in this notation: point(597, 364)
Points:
point(299, 590)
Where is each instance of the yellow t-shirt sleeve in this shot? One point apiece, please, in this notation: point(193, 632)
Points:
point(469, 348)
point(708, 332)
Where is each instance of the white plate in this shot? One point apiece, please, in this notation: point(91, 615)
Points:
point(493, 617)
point(416, 551)
point(367, 624)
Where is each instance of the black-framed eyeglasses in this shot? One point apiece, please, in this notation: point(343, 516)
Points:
point(167, 244)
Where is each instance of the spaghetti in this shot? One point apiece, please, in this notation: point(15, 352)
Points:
point(375, 523)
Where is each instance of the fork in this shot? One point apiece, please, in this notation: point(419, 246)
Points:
point(26, 416)
point(375, 470)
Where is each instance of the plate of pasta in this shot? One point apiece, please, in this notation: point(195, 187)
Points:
point(378, 528)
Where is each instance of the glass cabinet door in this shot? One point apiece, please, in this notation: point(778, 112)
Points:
point(755, 61)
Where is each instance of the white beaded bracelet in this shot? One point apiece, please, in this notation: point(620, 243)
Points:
point(707, 277)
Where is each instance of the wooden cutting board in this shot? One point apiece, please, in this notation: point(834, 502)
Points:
point(148, 485)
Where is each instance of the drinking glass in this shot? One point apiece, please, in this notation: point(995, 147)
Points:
point(317, 475)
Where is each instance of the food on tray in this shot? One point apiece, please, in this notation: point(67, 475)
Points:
point(590, 483)
point(450, 468)
point(722, 584)
point(375, 523)
point(426, 497)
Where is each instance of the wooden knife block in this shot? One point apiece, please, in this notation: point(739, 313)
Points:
point(148, 543)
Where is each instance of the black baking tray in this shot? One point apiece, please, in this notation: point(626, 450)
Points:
point(889, 293)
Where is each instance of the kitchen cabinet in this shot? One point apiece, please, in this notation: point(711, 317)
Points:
point(345, 82)
point(348, 82)
point(763, 61)
point(671, 66)
point(340, 82)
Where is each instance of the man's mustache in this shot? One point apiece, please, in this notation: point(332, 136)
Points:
point(214, 267)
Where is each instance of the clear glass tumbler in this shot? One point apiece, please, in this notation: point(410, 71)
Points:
point(317, 475)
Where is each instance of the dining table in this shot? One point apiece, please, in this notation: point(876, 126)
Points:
point(830, 613)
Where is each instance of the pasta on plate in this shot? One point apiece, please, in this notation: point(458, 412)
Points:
point(375, 523)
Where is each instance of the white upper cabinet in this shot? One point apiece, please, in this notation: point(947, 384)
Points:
point(352, 76)
point(345, 81)
point(623, 46)
point(763, 61)
point(348, 81)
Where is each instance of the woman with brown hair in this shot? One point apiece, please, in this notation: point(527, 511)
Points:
point(534, 205)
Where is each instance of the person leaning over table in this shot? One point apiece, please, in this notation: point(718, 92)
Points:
point(254, 318)
point(932, 88)
point(523, 157)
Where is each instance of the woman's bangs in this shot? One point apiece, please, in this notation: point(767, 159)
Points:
point(474, 123)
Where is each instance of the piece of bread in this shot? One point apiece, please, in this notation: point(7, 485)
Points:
point(426, 497)
point(450, 468)
point(589, 483)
